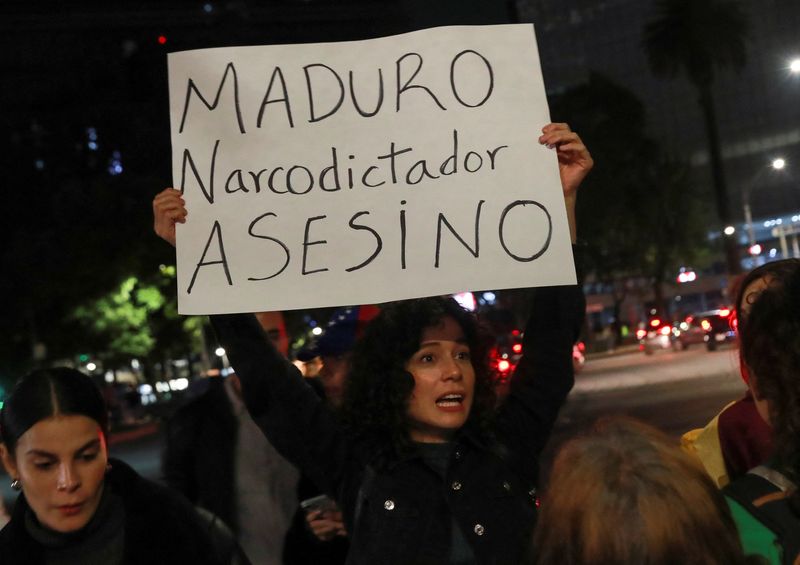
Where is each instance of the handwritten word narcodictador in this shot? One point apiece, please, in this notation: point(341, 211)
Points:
point(363, 172)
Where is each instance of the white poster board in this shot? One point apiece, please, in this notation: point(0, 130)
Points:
point(363, 172)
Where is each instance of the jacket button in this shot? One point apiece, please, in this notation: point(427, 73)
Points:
point(389, 504)
point(479, 529)
point(456, 485)
point(506, 486)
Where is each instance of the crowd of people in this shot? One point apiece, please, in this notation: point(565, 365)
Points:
point(404, 455)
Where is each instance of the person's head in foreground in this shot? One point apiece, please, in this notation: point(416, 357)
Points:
point(419, 374)
point(54, 426)
point(770, 341)
point(624, 493)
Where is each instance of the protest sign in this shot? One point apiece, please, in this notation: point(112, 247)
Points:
point(364, 172)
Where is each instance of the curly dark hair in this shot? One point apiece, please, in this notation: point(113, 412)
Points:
point(378, 386)
point(770, 339)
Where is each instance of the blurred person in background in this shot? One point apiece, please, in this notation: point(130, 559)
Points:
point(218, 458)
point(624, 493)
point(78, 506)
point(766, 500)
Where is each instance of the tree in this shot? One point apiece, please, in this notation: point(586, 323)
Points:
point(696, 38)
point(139, 319)
point(637, 212)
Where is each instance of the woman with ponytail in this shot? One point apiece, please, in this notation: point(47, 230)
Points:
point(766, 501)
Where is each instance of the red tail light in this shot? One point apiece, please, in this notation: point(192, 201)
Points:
point(665, 330)
point(516, 348)
point(706, 325)
point(640, 334)
point(655, 322)
point(503, 365)
point(724, 312)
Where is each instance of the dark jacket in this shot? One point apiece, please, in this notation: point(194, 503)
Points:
point(160, 528)
point(198, 457)
point(402, 514)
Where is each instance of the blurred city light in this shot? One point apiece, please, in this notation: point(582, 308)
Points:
point(794, 66)
point(778, 164)
point(162, 39)
point(729, 230)
point(219, 351)
point(317, 330)
point(755, 249)
point(91, 366)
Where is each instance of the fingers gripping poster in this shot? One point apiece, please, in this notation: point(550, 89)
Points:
point(364, 172)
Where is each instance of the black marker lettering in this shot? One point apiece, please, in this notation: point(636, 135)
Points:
point(524, 203)
point(442, 220)
point(187, 158)
point(380, 96)
point(453, 158)
point(391, 156)
point(191, 87)
point(257, 179)
point(271, 183)
point(366, 174)
point(289, 179)
point(408, 85)
point(378, 240)
point(423, 172)
point(466, 162)
point(279, 74)
point(453, 79)
point(403, 236)
point(236, 174)
point(492, 153)
point(327, 170)
point(216, 231)
point(313, 117)
point(307, 244)
point(278, 241)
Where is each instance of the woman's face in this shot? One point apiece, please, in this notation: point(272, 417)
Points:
point(61, 463)
point(444, 383)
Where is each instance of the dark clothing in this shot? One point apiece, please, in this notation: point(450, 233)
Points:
point(744, 437)
point(302, 547)
point(402, 513)
point(158, 527)
point(198, 459)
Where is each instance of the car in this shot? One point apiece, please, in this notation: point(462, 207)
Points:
point(719, 327)
point(711, 327)
point(690, 331)
point(655, 335)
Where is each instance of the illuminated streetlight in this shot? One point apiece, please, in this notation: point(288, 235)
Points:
point(220, 351)
point(778, 164)
point(729, 230)
point(794, 66)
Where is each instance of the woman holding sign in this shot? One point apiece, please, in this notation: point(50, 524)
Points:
point(423, 466)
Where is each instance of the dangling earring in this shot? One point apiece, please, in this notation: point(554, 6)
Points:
point(16, 485)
